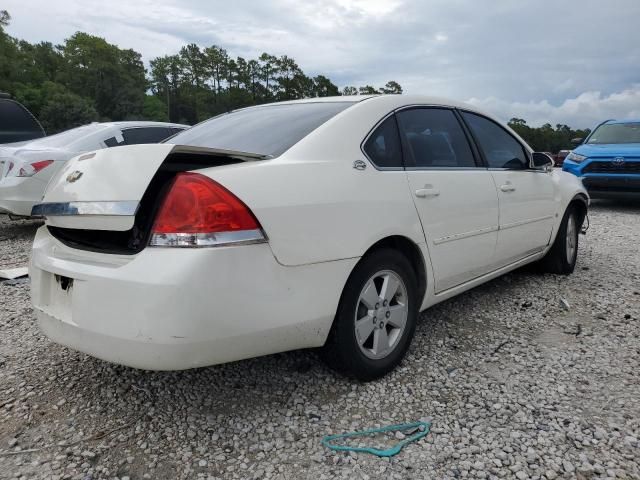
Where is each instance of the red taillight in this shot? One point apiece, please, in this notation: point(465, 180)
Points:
point(200, 212)
point(32, 168)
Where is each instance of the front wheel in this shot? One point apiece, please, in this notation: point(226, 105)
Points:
point(376, 317)
point(561, 259)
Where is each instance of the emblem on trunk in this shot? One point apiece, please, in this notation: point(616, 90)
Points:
point(74, 176)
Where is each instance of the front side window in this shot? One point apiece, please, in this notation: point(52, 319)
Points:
point(383, 145)
point(500, 148)
point(435, 138)
point(267, 129)
point(610, 133)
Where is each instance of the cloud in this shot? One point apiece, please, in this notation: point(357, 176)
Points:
point(585, 110)
point(538, 56)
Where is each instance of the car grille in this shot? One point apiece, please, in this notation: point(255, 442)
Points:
point(611, 167)
point(612, 184)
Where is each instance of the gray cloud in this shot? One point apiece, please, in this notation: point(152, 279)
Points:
point(572, 61)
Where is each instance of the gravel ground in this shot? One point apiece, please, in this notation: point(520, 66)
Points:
point(529, 376)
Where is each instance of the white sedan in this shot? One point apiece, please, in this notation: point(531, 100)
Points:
point(27, 167)
point(316, 223)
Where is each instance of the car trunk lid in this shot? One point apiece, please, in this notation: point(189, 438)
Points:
point(107, 199)
point(92, 190)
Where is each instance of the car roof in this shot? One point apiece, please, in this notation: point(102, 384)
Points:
point(130, 124)
point(390, 101)
point(611, 122)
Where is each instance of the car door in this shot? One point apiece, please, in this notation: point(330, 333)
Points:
point(454, 195)
point(525, 196)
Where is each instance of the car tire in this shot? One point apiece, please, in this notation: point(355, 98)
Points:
point(562, 257)
point(376, 317)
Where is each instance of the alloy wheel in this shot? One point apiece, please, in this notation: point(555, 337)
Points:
point(571, 240)
point(381, 314)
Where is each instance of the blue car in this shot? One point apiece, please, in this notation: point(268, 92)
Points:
point(608, 161)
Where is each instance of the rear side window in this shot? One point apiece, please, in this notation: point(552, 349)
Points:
point(435, 138)
point(500, 148)
point(136, 136)
point(16, 123)
point(266, 130)
point(383, 145)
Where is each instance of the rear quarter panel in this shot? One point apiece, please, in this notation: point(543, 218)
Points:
point(318, 211)
point(313, 205)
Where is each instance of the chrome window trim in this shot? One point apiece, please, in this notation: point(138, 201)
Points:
point(63, 209)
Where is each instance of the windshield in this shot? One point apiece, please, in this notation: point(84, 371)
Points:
point(65, 139)
point(266, 130)
point(616, 133)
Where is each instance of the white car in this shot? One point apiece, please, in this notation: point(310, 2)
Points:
point(316, 223)
point(27, 167)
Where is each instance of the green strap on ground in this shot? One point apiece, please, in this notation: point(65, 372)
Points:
point(421, 429)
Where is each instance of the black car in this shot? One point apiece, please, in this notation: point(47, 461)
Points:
point(17, 124)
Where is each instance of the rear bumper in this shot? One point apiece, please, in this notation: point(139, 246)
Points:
point(173, 308)
point(18, 195)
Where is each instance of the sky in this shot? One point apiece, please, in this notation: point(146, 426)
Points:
point(572, 61)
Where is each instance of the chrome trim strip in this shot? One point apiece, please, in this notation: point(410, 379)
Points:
point(198, 240)
point(446, 169)
point(460, 236)
point(524, 222)
point(473, 233)
point(60, 209)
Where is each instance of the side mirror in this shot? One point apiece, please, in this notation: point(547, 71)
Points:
point(542, 161)
point(577, 140)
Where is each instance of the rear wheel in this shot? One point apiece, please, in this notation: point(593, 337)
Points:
point(561, 259)
point(376, 317)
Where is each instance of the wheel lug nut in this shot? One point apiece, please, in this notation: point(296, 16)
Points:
point(384, 304)
point(388, 314)
point(377, 306)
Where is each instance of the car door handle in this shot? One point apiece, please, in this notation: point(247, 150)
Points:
point(427, 192)
point(507, 187)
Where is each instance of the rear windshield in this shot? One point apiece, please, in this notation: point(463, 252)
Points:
point(266, 130)
point(616, 133)
point(65, 139)
point(16, 123)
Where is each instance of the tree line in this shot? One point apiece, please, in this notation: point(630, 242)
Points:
point(88, 79)
point(547, 138)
